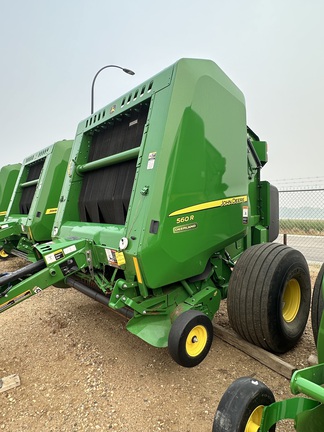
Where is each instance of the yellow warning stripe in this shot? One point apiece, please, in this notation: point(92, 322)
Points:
point(211, 204)
point(137, 270)
point(3, 213)
point(51, 211)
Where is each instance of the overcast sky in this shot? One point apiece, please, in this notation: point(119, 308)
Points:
point(272, 50)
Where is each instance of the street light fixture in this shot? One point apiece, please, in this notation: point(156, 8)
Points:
point(128, 71)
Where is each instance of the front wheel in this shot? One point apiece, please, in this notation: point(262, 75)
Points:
point(190, 338)
point(268, 297)
point(241, 407)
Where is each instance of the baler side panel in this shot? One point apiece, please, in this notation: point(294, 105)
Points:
point(199, 160)
point(46, 199)
point(8, 178)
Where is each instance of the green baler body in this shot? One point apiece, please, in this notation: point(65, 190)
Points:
point(162, 195)
point(33, 205)
point(191, 181)
point(8, 177)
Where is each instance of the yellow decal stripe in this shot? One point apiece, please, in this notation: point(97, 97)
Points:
point(51, 211)
point(137, 269)
point(3, 213)
point(211, 204)
point(14, 300)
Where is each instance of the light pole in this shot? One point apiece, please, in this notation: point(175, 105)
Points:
point(128, 71)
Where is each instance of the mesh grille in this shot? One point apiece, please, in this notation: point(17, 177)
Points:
point(106, 192)
point(28, 193)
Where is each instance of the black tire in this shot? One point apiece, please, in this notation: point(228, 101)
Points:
point(317, 304)
point(268, 297)
point(190, 338)
point(242, 403)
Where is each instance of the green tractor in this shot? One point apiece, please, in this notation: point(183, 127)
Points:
point(161, 208)
point(248, 405)
point(33, 204)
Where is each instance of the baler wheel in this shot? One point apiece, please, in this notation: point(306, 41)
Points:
point(268, 296)
point(190, 338)
point(241, 406)
point(317, 304)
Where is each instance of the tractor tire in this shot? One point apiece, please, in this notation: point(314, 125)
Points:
point(268, 298)
point(317, 304)
point(190, 338)
point(240, 408)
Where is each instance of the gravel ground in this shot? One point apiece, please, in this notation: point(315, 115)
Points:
point(81, 370)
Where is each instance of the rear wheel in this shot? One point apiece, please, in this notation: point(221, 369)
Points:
point(241, 407)
point(190, 338)
point(317, 303)
point(269, 296)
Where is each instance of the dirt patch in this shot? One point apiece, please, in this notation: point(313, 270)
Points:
point(81, 370)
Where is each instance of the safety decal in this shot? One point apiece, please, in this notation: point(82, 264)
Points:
point(120, 258)
point(184, 228)
point(4, 226)
point(211, 204)
point(151, 160)
point(15, 300)
point(69, 249)
point(245, 214)
point(3, 213)
point(54, 256)
point(115, 258)
point(51, 211)
point(37, 290)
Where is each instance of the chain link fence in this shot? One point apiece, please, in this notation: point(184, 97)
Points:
point(301, 213)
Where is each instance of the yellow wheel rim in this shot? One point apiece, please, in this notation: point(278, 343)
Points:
point(196, 341)
point(291, 300)
point(254, 421)
point(3, 254)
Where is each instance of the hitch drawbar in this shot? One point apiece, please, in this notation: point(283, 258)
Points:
point(26, 271)
point(97, 296)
